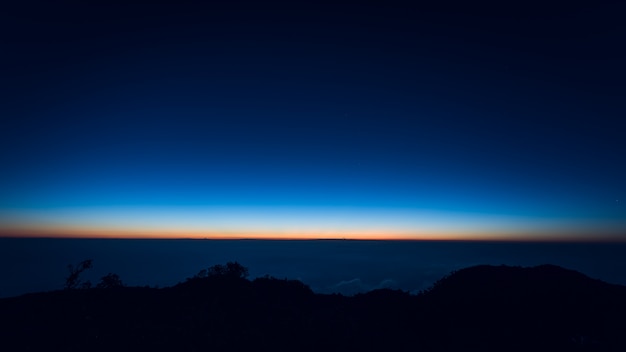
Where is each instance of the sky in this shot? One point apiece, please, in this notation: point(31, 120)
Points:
point(314, 119)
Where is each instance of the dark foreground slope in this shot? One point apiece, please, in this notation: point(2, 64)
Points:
point(482, 308)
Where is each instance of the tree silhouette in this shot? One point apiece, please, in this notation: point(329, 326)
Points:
point(73, 281)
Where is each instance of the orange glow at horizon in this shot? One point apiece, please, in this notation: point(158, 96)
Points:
point(296, 223)
point(119, 233)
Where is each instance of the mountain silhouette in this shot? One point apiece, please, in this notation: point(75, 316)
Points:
point(482, 308)
point(544, 307)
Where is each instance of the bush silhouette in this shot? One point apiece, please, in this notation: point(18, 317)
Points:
point(110, 281)
point(232, 270)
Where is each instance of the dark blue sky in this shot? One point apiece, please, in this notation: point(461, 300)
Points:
point(327, 119)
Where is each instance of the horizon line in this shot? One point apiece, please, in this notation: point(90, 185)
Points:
point(587, 235)
point(502, 239)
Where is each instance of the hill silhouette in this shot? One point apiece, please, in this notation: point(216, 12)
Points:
point(482, 308)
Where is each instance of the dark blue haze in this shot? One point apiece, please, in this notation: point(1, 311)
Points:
point(348, 267)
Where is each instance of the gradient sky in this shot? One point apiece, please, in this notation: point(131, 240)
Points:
point(315, 119)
